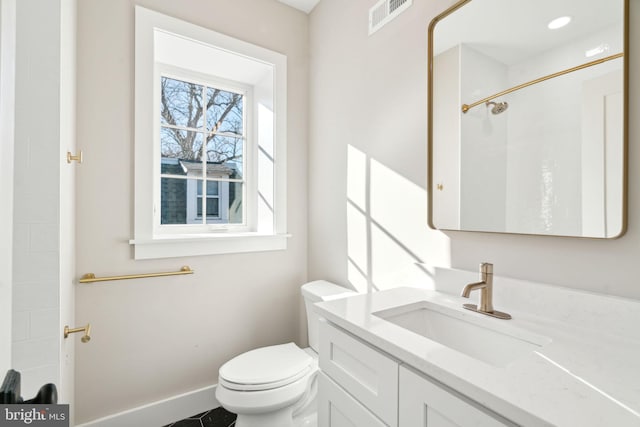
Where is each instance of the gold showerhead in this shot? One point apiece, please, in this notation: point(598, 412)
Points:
point(498, 107)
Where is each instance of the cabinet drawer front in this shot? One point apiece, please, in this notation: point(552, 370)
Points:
point(336, 408)
point(365, 373)
point(424, 403)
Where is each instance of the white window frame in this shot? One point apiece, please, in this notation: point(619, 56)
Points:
point(150, 241)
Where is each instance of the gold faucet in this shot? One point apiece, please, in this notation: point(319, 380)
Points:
point(485, 306)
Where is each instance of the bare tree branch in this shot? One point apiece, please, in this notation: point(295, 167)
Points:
point(182, 106)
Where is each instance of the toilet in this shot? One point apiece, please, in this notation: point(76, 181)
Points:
point(276, 386)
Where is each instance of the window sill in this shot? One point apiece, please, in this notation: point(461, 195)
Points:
point(195, 245)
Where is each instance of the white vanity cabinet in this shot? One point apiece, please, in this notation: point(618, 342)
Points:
point(360, 386)
point(355, 372)
point(337, 408)
point(423, 403)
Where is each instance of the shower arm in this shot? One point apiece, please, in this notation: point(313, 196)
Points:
point(467, 107)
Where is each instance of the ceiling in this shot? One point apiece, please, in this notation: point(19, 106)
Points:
point(304, 5)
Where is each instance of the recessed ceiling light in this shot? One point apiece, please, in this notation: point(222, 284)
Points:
point(559, 22)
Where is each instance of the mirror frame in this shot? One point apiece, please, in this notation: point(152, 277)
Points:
point(430, 146)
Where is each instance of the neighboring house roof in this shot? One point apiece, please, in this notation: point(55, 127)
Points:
point(214, 170)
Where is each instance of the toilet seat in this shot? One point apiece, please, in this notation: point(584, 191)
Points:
point(266, 368)
point(260, 402)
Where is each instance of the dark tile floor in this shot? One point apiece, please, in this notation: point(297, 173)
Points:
point(218, 417)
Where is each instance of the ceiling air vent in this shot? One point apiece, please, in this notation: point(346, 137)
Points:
point(384, 11)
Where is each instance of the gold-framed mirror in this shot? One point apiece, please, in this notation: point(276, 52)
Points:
point(527, 117)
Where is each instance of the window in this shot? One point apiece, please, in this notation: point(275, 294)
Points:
point(211, 203)
point(202, 145)
point(210, 142)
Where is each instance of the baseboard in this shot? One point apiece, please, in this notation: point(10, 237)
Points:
point(162, 412)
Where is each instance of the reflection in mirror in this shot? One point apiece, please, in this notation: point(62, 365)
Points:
point(527, 117)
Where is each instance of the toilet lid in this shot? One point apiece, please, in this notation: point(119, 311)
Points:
point(266, 367)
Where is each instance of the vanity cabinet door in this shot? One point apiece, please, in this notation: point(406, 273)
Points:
point(336, 408)
point(364, 372)
point(422, 403)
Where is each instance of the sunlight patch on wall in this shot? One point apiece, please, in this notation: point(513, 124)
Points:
point(389, 259)
point(357, 247)
point(398, 210)
point(357, 175)
point(387, 232)
point(266, 170)
point(400, 206)
point(357, 229)
point(357, 277)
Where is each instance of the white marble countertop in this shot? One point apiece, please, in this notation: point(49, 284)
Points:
point(586, 374)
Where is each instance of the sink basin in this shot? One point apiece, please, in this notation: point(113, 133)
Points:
point(484, 339)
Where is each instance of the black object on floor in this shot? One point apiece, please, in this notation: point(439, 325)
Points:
point(218, 417)
point(10, 391)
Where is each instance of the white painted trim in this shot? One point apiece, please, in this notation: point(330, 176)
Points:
point(67, 196)
point(146, 240)
point(171, 247)
point(162, 412)
point(7, 120)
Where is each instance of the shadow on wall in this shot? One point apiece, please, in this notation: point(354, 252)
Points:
point(387, 238)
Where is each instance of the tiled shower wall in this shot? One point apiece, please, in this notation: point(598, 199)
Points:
point(36, 240)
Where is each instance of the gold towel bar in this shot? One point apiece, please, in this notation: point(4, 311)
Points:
point(90, 277)
point(466, 107)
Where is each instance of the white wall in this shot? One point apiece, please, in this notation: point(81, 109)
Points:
point(368, 129)
point(369, 94)
point(156, 338)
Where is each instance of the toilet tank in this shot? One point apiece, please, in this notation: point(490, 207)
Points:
point(317, 291)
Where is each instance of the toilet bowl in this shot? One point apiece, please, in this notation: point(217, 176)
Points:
point(276, 386)
point(275, 396)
